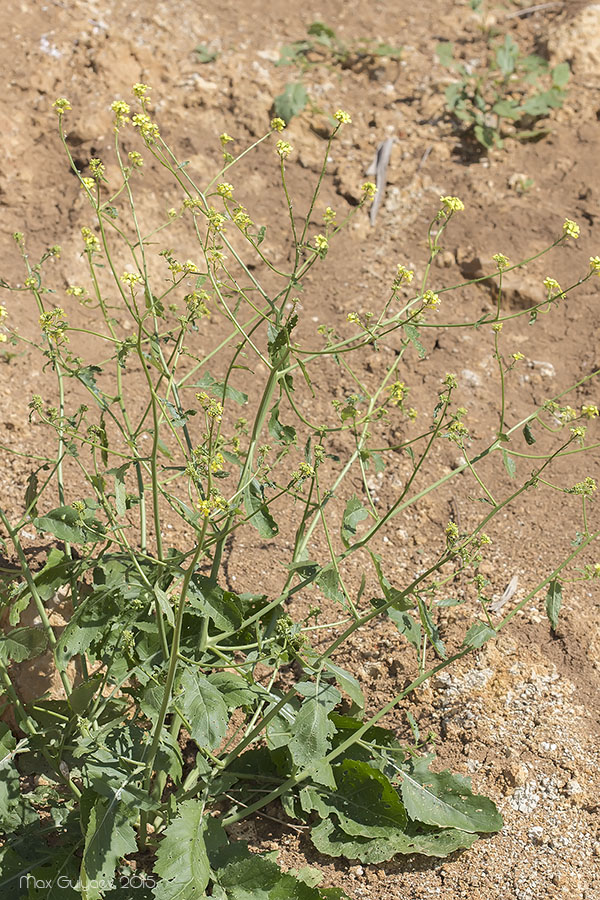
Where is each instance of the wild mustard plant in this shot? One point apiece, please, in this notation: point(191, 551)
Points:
point(168, 654)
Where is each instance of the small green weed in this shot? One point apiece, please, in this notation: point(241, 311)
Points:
point(323, 46)
point(507, 88)
point(98, 798)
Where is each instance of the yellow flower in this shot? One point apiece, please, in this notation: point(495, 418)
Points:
point(402, 274)
point(225, 190)
point(88, 184)
point(570, 228)
point(61, 105)
point(225, 138)
point(595, 264)
point(353, 317)
point(552, 285)
point(283, 149)
point(329, 216)
point(586, 488)
point(431, 300)
point(172, 213)
point(322, 244)
point(369, 190)
point(148, 128)
point(97, 168)
point(517, 356)
point(452, 204)
point(277, 124)
point(90, 240)
point(121, 111)
point(131, 278)
point(398, 392)
point(3, 313)
point(342, 117)
point(497, 327)
point(590, 412)
point(135, 159)
point(501, 260)
point(140, 89)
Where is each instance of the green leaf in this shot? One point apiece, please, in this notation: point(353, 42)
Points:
point(412, 333)
point(445, 54)
point(560, 75)
point(204, 707)
point(250, 876)
point(283, 434)
point(120, 492)
point(312, 728)
point(109, 837)
point(406, 625)
point(508, 109)
point(554, 602)
point(9, 779)
point(258, 511)
point(236, 691)
point(220, 390)
point(431, 629)
point(327, 580)
point(365, 803)
point(22, 643)
point(181, 859)
point(291, 102)
point(330, 839)
point(81, 695)
point(509, 464)
point(178, 417)
point(506, 56)
point(224, 607)
point(67, 524)
point(349, 685)
point(445, 800)
point(478, 634)
point(31, 494)
point(204, 54)
point(487, 137)
point(165, 605)
point(353, 514)
point(528, 435)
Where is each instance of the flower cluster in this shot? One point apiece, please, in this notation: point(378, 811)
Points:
point(321, 245)
point(342, 117)
point(595, 264)
point(501, 260)
point(242, 219)
point(590, 412)
point(431, 300)
point(369, 190)
point(92, 244)
point(135, 159)
point(225, 190)
point(585, 488)
point(196, 304)
point(61, 105)
point(277, 124)
point(121, 111)
point(216, 221)
point(402, 275)
point(398, 392)
point(148, 128)
point(140, 90)
point(212, 407)
point(552, 286)
point(97, 169)
point(329, 216)
point(215, 503)
point(132, 279)
point(54, 325)
point(452, 204)
point(571, 229)
point(283, 149)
